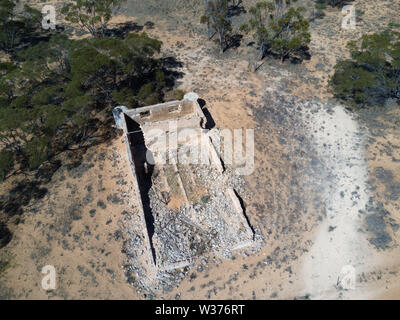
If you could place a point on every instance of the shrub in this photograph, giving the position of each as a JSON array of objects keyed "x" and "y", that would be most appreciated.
[
  {"x": 145, "y": 91},
  {"x": 320, "y": 4},
  {"x": 178, "y": 94},
  {"x": 6, "y": 163},
  {"x": 37, "y": 151},
  {"x": 372, "y": 75}
]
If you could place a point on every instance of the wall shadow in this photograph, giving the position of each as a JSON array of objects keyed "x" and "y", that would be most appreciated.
[
  {"x": 244, "y": 210},
  {"x": 210, "y": 121},
  {"x": 144, "y": 171}
]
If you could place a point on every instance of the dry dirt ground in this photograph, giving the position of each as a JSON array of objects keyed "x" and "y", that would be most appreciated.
[{"x": 325, "y": 192}]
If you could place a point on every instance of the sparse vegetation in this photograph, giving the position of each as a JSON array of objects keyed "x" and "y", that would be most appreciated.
[
  {"x": 205, "y": 199},
  {"x": 91, "y": 16},
  {"x": 4, "y": 265},
  {"x": 278, "y": 29},
  {"x": 321, "y": 5}
]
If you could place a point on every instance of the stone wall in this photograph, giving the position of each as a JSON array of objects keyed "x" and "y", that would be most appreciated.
[{"x": 234, "y": 230}]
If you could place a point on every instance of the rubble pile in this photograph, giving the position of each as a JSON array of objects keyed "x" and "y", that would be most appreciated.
[{"x": 206, "y": 223}]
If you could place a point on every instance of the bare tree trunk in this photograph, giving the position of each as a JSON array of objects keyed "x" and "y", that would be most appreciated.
[
  {"x": 222, "y": 40},
  {"x": 259, "y": 57}
]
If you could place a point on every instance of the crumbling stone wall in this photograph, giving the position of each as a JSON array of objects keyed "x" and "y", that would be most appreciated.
[{"x": 195, "y": 208}]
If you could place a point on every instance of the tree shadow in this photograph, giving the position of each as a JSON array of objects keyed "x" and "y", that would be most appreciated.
[
  {"x": 122, "y": 30},
  {"x": 233, "y": 41},
  {"x": 344, "y": 3},
  {"x": 34, "y": 36},
  {"x": 149, "y": 24},
  {"x": 169, "y": 66},
  {"x": 5, "y": 235},
  {"x": 33, "y": 39},
  {"x": 236, "y": 9},
  {"x": 20, "y": 196},
  {"x": 302, "y": 54},
  {"x": 316, "y": 15},
  {"x": 144, "y": 171}
]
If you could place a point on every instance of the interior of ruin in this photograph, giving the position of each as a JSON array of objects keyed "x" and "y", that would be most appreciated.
[{"x": 189, "y": 208}]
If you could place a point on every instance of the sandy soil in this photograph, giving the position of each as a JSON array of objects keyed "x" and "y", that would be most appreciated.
[
  {"x": 325, "y": 190},
  {"x": 75, "y": 229}
]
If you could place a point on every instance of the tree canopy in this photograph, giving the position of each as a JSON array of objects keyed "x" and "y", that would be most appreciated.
[
  {"x": 278, "y": 29},
  {"x": 51, "y": 92},
  {"x": 217, "y": 20},
  {"x": 92, "y": 16},
  {"x": 372, "y": 75},
  {"x": 15, "y": 26}
]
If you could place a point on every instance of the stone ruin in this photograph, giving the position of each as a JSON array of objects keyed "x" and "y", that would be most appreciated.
[{"x": 189, "y": 208}]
